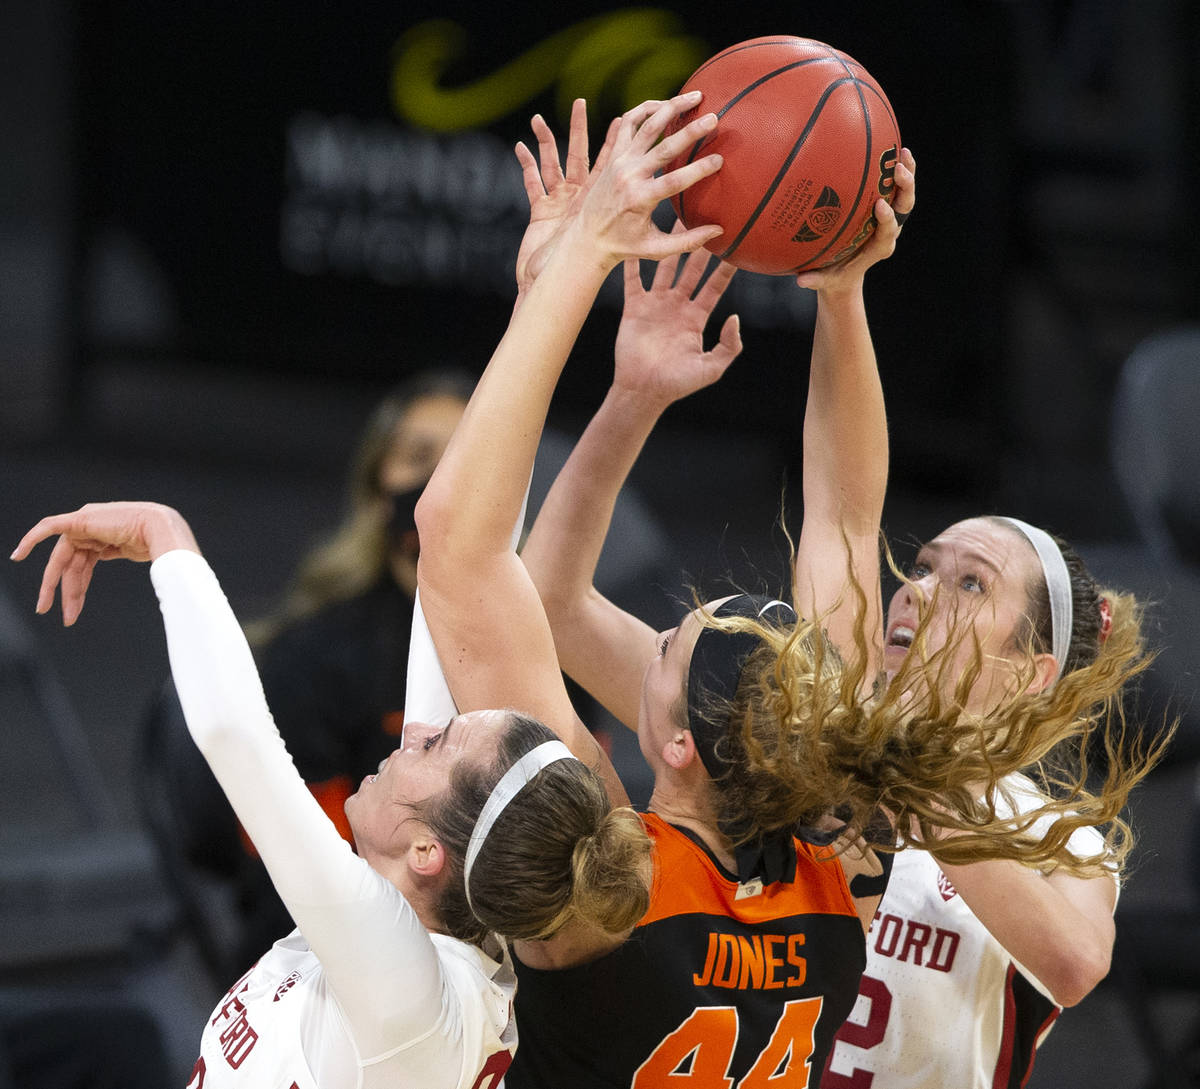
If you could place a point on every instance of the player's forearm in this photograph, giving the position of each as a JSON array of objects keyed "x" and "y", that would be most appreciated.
[
  {"x": 599, "y": 645},
  {"x": 228, "y": 718},
  {"x": 845, "y": 474},
  {"x": 469, "y": 506},
  {"x": 1059, "y": 928},
  {"x": 845, "y": 424}
]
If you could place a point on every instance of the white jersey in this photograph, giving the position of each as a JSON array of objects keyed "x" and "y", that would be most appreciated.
[
  {"x": 942, "y": 1004},
  {"x": 360, "y": 995}
]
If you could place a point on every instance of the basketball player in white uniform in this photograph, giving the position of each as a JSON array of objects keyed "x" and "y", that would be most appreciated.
[
  {"x": 942, "y": 1002},
  {"x": 363, "y": 993}
]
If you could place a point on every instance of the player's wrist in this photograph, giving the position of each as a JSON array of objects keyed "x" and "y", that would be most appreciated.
[{"x": 166, "y": 530}]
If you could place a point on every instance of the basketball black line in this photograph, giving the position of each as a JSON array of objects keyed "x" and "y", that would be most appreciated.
[
  {"x": 882, "y": 98},
  {"x": 862, "y": 183},
  {"x": 877, "y": 91},
  {"x": 779, "y": 176},
  {"x": 733, "y": 50},
  {"x": 691, "y": 155}
]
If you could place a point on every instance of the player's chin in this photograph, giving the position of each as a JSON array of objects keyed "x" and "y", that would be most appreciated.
[{"x": 893, "y": 658}]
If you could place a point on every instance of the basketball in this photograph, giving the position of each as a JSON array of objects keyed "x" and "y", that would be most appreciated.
[{"x": 809, "y": 142}]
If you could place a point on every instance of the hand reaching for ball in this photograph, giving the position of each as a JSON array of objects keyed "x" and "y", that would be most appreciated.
[
  {"x": 882, "y": 241},
  {"x": 632, "y": 173}
]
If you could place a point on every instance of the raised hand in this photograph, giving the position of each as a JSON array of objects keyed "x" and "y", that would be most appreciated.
[
  {"x": 616, "y": 209},
  {"x": 618, "y": 215},
  {"x": 882, "y": 241},
  {"x": 660, "y": 352},
  {"x": 551, "y": 192},
  {"x": 100, "y": 531}
]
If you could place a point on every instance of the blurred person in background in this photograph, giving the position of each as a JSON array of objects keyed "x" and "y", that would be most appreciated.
[{"x": 333, "y": 654}]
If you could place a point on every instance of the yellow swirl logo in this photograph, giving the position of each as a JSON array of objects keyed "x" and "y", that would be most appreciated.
[{"x": 615, "y": 61}]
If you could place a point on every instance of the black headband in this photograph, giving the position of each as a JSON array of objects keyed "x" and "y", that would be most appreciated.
[{"x": 714, "y": 674}]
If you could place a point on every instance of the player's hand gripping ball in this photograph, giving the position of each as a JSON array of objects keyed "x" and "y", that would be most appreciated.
[{"x": 810, "y": 142}]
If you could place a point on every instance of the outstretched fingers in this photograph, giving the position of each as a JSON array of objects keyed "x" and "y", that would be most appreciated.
[
  {"x": 46, "y": 527},
  {"x": 631, "y": 269},
  {"x": 714, "y": 287},
  {"x": 551, "y": 170},
  {"x": 577, "y": 144},
  {"x": 56, "y": 565},
  {"x": 630, "y": 187},
  {"x": 530, "y": 176},
  {"x": 76, "y": 578},
  {"x": 543, "y": 173}
]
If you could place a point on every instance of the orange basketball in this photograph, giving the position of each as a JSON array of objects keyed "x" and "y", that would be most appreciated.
[{"x": 810, "y": 142}]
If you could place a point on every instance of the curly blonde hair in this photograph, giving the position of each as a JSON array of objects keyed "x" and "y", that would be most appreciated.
[{"x": 804, "y": 740}]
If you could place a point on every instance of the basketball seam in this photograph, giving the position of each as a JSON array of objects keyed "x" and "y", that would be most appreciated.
[
  {"x": 862, "y": 184},
  {"x": 691, "y": 155},
  {"x": 882, "y": 100},
  {"x": 735, "y": 49},
  {"x": 779, "y": 176}
]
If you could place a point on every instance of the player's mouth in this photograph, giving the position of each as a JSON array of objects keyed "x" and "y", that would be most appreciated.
[
  {"x": 378, "y": 772},
  {"x": 900, "y": 638}
]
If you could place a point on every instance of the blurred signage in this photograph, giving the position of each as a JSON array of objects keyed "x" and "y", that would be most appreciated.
[
  {"x": 332, "y": 188},
  {"x": 433, "y": 196}
]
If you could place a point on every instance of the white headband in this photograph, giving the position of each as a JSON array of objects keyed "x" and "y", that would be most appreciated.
[
  {"x": 1058, "y": 587},
  {"x": 510, "y": 785}
]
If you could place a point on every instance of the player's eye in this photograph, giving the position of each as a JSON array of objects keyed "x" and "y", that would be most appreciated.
[{"x": 432, "y": 740}]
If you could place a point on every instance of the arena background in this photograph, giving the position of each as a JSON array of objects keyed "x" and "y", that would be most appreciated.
[{"x": 226, "y": 229}]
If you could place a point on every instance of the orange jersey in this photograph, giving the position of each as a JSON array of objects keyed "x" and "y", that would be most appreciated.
[{"x": 718, "y": 987}]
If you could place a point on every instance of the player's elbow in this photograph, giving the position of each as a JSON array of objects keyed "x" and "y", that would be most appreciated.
[
  {"x": 1080, "y": 970},
  {"x": 435, "y": 520},
  {"x": 432, "y": 509}
]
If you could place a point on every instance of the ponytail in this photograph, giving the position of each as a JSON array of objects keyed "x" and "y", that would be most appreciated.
[{"x": 556, "y": 851}]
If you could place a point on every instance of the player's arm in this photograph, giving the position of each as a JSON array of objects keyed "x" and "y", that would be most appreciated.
[
  {"x": 1057, "y": 927},
  {"x": 347, "y": 912},
  {"x": 845, "y": 440},
  {"x": 660, "y": 358},
  {"x": 483, "y": 609}
]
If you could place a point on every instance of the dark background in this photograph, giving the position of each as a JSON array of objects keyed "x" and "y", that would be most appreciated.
[{"x": 220, "y": 242}]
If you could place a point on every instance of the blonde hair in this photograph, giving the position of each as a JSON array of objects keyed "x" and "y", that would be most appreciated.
[
  {"x": 354, "y": 557},
  {"x": 804, "y": 741}
]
